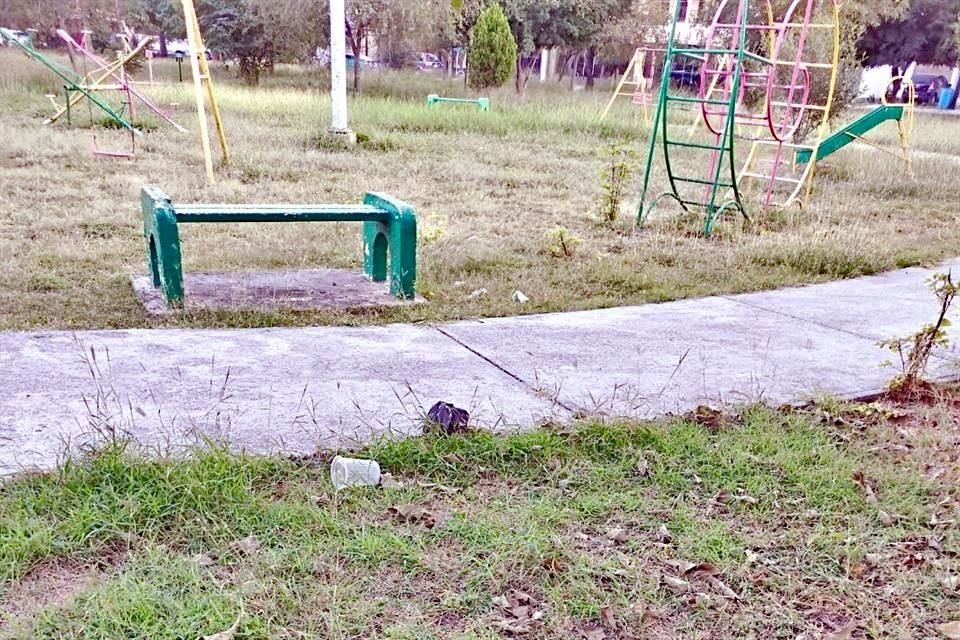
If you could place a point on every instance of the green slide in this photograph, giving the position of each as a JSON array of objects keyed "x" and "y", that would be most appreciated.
[{"x": 841, "y": 138}]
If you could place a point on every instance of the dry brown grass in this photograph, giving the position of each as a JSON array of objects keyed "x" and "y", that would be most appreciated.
[{"x": 492, "y": 187}]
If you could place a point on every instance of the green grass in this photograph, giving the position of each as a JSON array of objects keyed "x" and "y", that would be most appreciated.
[
  {"x": 120, "y": 536},
  {"x": 70, "y": 229}
]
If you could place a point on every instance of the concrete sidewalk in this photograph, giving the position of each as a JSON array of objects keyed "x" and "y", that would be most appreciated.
[{"x": 297, "y": 389}]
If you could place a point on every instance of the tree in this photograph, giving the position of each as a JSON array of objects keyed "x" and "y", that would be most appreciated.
[
  {"x": 925, "y": 33},
  {"x": 236, "y": 28},
  {"x": 493, "y": 51},
  {"x": 163, "y": 16},
  {"x": 543, "y": 24}
]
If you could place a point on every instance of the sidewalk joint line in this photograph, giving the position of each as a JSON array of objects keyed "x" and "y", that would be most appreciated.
[{"x": 504, "y": 370}]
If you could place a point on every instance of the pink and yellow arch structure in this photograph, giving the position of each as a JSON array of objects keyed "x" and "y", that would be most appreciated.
[{"x": 767, "y": 86}]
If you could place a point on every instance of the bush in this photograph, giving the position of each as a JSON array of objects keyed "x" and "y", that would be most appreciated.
[{"x": 493, "y": 51}]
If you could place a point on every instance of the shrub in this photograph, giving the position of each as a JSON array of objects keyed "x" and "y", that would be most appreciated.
[{"x": 493, "y": 51}]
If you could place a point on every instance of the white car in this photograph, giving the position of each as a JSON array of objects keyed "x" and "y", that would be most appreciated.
[{"x": 22, "y": 37}]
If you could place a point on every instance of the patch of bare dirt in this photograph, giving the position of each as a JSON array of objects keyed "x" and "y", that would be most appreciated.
[{"x": 54, "y": 582}]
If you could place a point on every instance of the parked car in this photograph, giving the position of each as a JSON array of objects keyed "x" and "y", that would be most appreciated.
[
  {"x": 685, "y": 75},
  {"x": 322, "y": 57},
  {"x": 181, "y": 49},
  {"x": 424, "y": 61},
  {"x": 365, "y": 61},
  {"x": 928, "y": 86},
  {"x": 21, "y": 36}
]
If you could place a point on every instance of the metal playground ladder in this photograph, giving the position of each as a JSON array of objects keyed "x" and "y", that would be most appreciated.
[{"x": 755, "y": 86}]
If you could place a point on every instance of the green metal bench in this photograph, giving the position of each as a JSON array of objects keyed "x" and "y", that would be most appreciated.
[
  {"x": 433, "y": 100},
  {"x": 389, "y": 227}
]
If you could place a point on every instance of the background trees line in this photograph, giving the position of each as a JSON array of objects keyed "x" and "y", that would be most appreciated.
[{"x": 259, "y": 33}]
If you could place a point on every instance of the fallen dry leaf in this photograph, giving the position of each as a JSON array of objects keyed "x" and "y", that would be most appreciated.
[
  {"x": 843, "y": 633},
  {"x": 950, "y": 583},
  {"x": 752, "y": 557},
  {"x": 866, "y": 486},
  {"x": 722, "y": 588},
  {"x": 617, "y": 535},
  {"x": 664, "y": 535},
  {"x": 693, "y": 569},
  {"x": 247, "y": 546},
  {"x": 227, "y": 634},
  {"x": 521, "y": 612},
  {"x": 642, "y": 468},
  {"x": 203, "y": 560},
  {"x": 886, "y": 519},
  {"x": 594, "y": 634},
  {"x": 607, "y": 618},
  {"x": 514, "y": 627},
  {"x": 676, "y": 585},
  {"x": 554, "y": 564},
  {"x": 387, "y": 481},
  {"x": 950, "y": 630},
  {"x": 415, "y": 514}
]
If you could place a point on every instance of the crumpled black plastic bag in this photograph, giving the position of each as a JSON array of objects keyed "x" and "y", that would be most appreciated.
[{"x": 446, "y": 418}]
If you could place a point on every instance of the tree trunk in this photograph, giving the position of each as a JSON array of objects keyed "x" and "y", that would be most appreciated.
[
  {"x": 573, "y": 71},
  {"x": 563, "y": 67},
  {"x": 355, "y": 47},
  {"x": 163, "y": 45},
  {"x": 518, "y": 73},
  {"x": 589, "y": 66}
]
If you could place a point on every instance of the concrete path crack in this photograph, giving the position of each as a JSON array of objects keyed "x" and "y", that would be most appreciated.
[{"x": 532, "y": 388}]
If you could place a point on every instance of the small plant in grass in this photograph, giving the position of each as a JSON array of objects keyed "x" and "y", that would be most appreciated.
[
  {"x": 914, "y": 351},
  {"x": 433, "y": 229},
  {"x": 619, "y": 164},
  {"x": 562, "y": 243}
]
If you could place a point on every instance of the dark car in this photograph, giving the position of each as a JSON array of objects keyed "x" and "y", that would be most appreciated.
[
  {"x": 685, "y": 75},
  {"x": 927, "y": 85}
]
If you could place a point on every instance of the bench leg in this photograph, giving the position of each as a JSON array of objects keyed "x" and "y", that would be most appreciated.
[
  {"x": 375, "y": 241},
  {"x": 403, "y": 256},
  {"x": 401, "y": 236},
  {"x": 163, "y": 245}
]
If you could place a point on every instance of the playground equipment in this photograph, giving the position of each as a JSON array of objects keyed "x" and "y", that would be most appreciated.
[
  {"x": 91, "y": 85},
  {"x": 635, "y": 83},
  {"x": 483, "y": 103},
  {"x": 95, "y": 81},
  {"x": 389, "y": 228},
  {"x": 77, "y": 87},
  {"x": 638, "y": 83},
  {"x": 757, "y": 85},
  {"x": 203, "y": 84},
  {"x": 903, "y": 114}
]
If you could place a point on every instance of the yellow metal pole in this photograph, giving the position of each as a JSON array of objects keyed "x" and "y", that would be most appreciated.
[
  {"x": 190, "y": 18},
  {"x": 211, "y": 94}
]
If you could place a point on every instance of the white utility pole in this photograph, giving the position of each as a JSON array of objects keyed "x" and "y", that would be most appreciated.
[{"x": 338, "y": 70}]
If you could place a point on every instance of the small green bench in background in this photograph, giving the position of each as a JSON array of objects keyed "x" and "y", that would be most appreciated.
[
  {"x": 484, "y": 103},
  {"x": 389, "y": 227}
]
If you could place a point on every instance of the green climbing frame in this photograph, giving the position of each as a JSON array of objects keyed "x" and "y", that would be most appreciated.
[{"x": 717, "y": 192}]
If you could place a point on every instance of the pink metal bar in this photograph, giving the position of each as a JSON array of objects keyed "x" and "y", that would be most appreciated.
[{"x": 118, "y": 76}]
